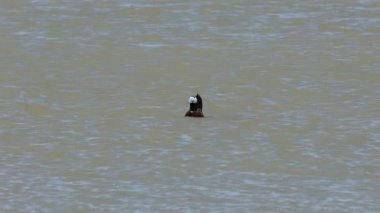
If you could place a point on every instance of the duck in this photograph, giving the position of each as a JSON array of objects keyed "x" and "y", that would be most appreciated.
[{"x": 196, "y": 106}]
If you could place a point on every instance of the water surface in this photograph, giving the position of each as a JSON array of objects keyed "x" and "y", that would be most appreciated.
[{"x": 93, "y": 95}]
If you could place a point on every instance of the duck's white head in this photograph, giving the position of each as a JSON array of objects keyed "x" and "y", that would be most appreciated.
[{"x": 192, "y": 100}]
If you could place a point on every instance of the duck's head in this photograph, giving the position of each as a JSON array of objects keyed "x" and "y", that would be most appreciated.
[{"x": 193, "y": 103}]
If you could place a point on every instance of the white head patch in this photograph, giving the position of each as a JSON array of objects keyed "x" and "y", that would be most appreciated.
[{"x": 192, "y": 100}]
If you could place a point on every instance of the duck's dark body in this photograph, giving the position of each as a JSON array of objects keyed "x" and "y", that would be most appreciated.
[{"x": 195, "y": 109}]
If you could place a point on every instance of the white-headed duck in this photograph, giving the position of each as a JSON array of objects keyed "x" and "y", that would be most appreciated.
[{"x": 196, "y": 105}]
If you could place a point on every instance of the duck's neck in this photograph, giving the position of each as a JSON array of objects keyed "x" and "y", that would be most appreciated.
[{"x": 193, "y": 107}]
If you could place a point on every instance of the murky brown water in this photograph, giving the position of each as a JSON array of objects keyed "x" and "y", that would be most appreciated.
[{"x": 93, "y": 93}]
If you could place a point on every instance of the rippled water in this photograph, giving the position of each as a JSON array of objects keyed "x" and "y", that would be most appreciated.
[{"x": 93, "y": 93}]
